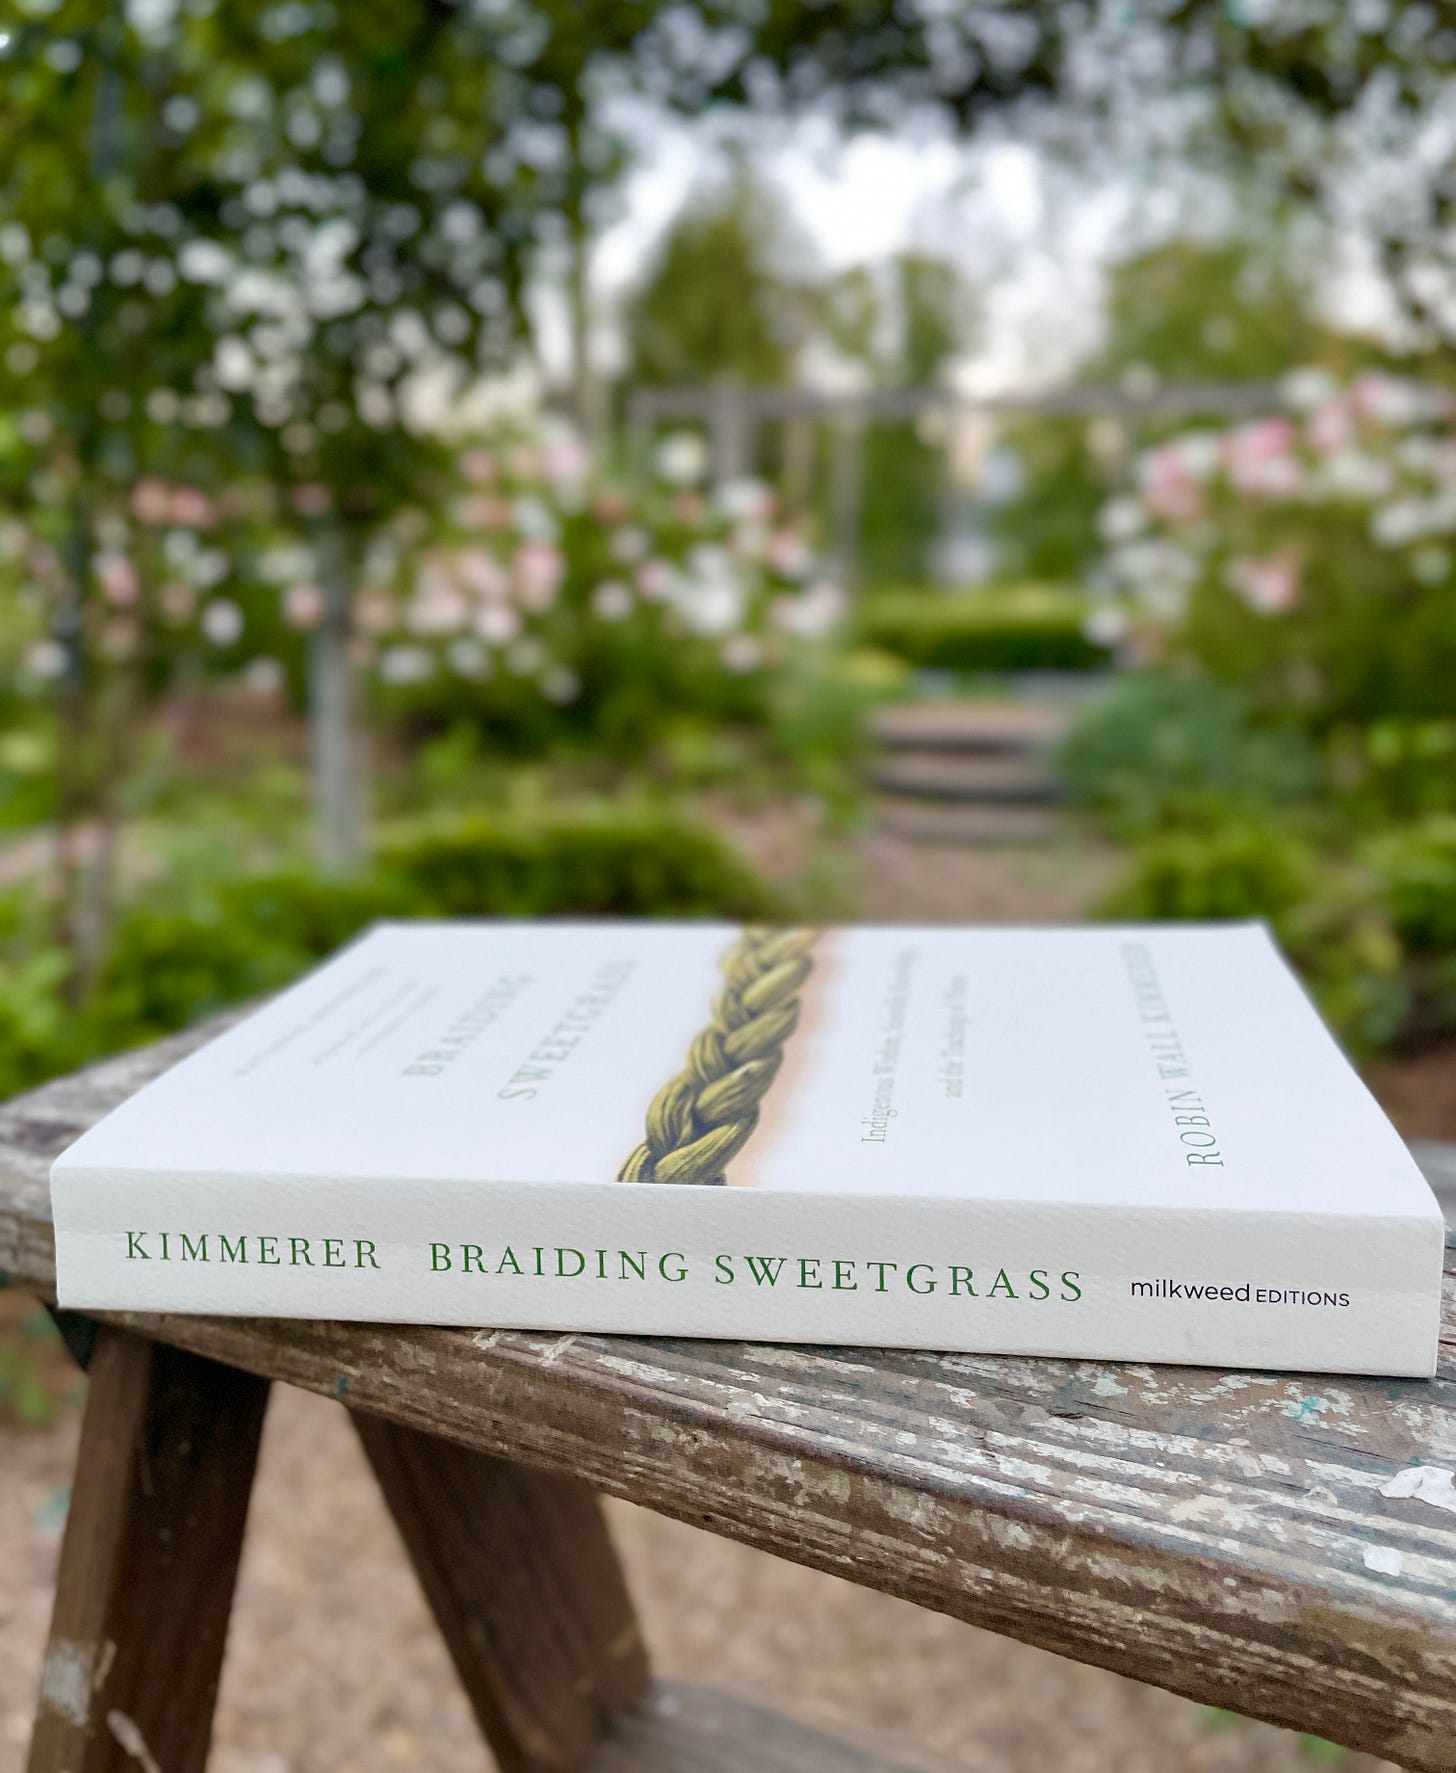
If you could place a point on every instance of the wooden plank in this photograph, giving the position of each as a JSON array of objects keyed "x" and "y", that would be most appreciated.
[
  {"x": 656, "y": 405},
  {"x": 525, "y": 1586},
  {"x": 1224, "y": 1535},
  {"x": 149, "y": 1561},
  {"x": 690, "y": 1729}
]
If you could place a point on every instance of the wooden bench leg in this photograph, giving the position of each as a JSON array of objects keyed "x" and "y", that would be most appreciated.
[
  {"x": 525, "y": 1585},
  {"x": 148, "y": 1562}
]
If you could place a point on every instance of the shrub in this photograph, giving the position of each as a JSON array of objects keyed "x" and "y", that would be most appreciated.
[
  {"x": 1023, "y": 628},
  {"x": 635, "y": 864},
  {"x": 1327, "y": 918},
  {"x": 1416, "y": 869},
  {"x": 1240, "y": 869},
  {"x": 173, "y": 964},
  {"x": 550, "y": 605},
  {"x": 1306, "y": 557},
  {"x": 1155, "y": 749}
]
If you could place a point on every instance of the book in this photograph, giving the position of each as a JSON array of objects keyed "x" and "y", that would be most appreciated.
[{"x": 1102, "y": 1142}]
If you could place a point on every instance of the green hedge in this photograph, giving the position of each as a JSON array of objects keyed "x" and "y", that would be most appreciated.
[
  {"x": 173, "y": 961},
  {"x": 1025, "y": 628}
]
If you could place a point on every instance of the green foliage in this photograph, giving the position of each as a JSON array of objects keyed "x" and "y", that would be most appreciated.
[
  {"x": 174, "y": 960},
  {"x": 1154, "y": 750},
  {"x": 1395, "y": 769},
  {"x": 1241, "y": 868},
  {"x": 1047, "y": 529},
  {"x": 1194, "y": 312},
  {"x": 1017, "y": 628},
  {"x": 1336, "y": 935},
  {"x": 711, "y": 308},
  {"x": 616, "y": 862},
  {"x": 1416, "y": 869}
]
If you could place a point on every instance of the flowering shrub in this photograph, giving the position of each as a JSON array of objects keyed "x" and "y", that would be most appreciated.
[
  {"x": 540, "y": 599},
  {"x": 1308, "y": 557},
  {"x": 548, "y": 600}
]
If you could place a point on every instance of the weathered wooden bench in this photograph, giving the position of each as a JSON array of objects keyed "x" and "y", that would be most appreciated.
[{"x": 1259, "y": 1542}]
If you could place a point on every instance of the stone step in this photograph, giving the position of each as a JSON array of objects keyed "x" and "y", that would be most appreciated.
[
  {"x": 981, "y": 778},
  {"x": 973, "y": 726},
  {"x": 970, "y": 826}
]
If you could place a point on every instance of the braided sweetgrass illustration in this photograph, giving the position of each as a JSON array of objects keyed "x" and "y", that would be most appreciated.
[{"x": 705, "y": 1115}]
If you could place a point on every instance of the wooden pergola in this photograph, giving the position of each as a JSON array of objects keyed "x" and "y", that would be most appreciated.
[{"x": 735, "y": 416}]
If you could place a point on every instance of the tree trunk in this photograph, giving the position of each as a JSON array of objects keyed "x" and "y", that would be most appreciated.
[{"x": 339, "y": 776}]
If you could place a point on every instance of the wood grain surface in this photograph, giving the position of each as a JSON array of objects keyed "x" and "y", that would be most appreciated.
[
  {"x": 149, "y": 1561},
  {"x": 1224, "y": 1535},
  {"x": 525, "y": 1585}
]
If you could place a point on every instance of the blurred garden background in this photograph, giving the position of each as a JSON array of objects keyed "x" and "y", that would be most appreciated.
[{"x": 731, "y": 457}]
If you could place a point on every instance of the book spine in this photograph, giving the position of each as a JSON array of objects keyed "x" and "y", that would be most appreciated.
[{"x": 1270, "y": 1290}]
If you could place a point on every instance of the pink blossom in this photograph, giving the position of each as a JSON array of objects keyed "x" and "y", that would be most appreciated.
[
  {"x": 312, "y": 500},
  {"x": 478, "y": 466},
  {"x": 479, "y": 571},
  {"x": 1269, "y": 586},
  {"x": 1261, "y": 439},
  {"x": 690, "y": 508},
  {"x": 190, "y": 509},
  {"x": 741, "y": 653},
  {"x": 1331, "y": 426},
  {"x": 810, "y": 614},
  {"x": 1383, "y": 398},
  {"x": 485, "y": 511},
  {"x": 118, "y": 579},
  {"x": 303, "y": 606},
  {"x": 538, "y": 570},
  {"x": 151, "y": 501},
  {"x": 654, "y": 579},
  {"x": 789, "y": 554},
  {"x": 439, "y": 608},
  {"x": 497, "y": 623},
  {"x": 612, "y": 506},
  {"x": 566, "y": 458},
  {"x": 1268, "y": 476},
  {"x": 1169, "y": 491},
  {"x": 524, "y": 462}
]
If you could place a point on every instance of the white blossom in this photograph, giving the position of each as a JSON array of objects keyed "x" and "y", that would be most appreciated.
[
  {"x": 222, "y": 622},
  {"x": 682, "y": 459}
]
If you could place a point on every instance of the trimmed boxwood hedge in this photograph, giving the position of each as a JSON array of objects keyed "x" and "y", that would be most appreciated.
[
  {"x": 174, "y": 962},
  {"x": 1027, "y": 628}
]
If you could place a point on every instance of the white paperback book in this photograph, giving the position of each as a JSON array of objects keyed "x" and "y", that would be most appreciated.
[{"x": 1107, "y": 1142}]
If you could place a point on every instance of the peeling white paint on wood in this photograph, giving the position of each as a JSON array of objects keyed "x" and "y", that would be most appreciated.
[
  {"x": 65, "y": 1680},
  {"x": 1425, "y": 1483},
  {"x": 129, "y": 1740},
  {"x": 1383, "y": 1558}
]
